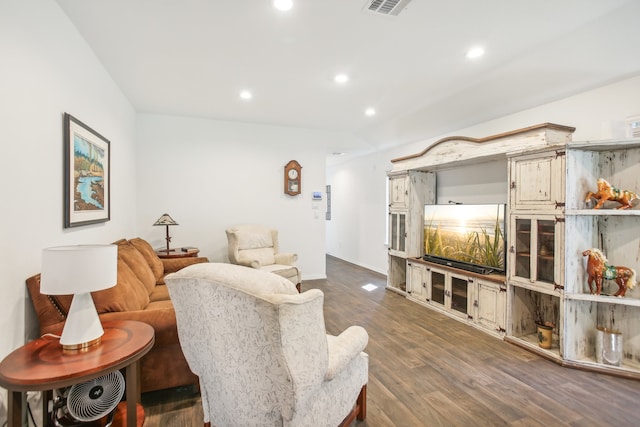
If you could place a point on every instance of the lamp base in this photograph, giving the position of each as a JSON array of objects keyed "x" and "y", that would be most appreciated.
[
  {"x": 84, "y": 346},
  {"x": 82, "y": 329}
]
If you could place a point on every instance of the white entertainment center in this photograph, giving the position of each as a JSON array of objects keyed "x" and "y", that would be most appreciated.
[{"x": 548, "y": 226}]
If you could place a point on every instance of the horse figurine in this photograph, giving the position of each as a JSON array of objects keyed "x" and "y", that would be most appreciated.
[
  {"x": 608, "y": 192},
  {"x": 598, "y": 269}
]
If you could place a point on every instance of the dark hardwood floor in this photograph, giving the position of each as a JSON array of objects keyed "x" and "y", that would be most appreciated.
[{"x": 426, "y": 369}]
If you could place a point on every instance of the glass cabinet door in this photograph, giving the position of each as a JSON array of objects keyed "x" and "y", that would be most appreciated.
[
  {"x": 437, "y": 287},
  {"x": 459, "y": 294},
  {"x": 394, "y": 232},
  {"x": 523, "y": 248},
  {"x": 534, "y": 249},
  {"x": 401, "y": 232},
  {"x": 545, "y": 251},
  {"x": 398, "y": 232}
]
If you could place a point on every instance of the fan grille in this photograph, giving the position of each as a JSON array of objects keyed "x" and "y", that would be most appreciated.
[{"x": 94, "y": 399}]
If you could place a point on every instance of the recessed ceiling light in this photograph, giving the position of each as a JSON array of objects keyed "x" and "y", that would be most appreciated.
[
  {"x": 475, "y": 52},
  {"x": 283, "y": 4},
  {"x": 370, "y": 112},
  {"x": 341, "y": 78},
  {"x": 246, "y": 95}
]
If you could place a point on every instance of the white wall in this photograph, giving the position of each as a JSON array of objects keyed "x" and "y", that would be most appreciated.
[
  {"x": 47, "y": 69},
  {"x": 210, "y": 175},
  {"x": 355, "y": 231}
]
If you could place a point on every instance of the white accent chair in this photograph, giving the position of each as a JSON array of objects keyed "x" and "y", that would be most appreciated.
[
  {"x": 261, "y": 351},
  {"x": 256, "y": 246}
]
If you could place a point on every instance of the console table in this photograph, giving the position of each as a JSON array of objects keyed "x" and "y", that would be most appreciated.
[{"x": 42, "y": 365}]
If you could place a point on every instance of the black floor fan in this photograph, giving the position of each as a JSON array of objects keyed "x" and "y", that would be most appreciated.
[{"x": 88, "y": 402}]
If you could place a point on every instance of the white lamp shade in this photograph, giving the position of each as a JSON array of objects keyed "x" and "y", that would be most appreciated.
[{"x": 78, "y": 269}]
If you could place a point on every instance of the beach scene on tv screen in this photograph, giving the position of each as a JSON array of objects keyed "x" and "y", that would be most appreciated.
[{"x": 467, "y": 233}]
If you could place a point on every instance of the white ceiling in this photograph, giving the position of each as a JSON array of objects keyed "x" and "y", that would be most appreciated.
[{"x": 192, "y": 57}]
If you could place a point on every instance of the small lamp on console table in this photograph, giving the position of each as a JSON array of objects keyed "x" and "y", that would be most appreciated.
[
  {"x": 165, "y": 219},
  {"x": 79, "y": 270}
]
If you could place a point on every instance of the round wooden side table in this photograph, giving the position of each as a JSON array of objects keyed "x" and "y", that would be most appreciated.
[
  {"x": 42, "y": 365},
  {"x": 185, "y": 252}
]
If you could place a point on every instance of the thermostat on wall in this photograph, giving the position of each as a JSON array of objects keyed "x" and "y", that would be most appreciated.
[
  {"x": 633, "y": 127},
  {"x": 317, "y": 195}
]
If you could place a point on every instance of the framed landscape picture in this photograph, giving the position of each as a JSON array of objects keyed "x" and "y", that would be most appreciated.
[{"x": 86, "y": 182}]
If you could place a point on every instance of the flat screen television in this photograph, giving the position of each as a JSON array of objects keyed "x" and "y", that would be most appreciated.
[{"x": 466, "y": 236}]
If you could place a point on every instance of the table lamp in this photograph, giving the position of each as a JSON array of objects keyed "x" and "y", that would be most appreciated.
[
  {"x": 165, "y": 219},
  {"x": 79, "y": 270}
]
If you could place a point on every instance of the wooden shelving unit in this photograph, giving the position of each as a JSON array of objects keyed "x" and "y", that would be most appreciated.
[{"x": 549, "y": 227}]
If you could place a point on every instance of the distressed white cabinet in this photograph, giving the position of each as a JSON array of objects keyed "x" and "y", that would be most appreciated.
[
  {"x": 397, "y": 274},
  {"x": 537, "y": 180},
  {"x": 450, "y": 291},
  {"x": 417, "y": 281},
  {"x": 535, "y": 250},
  {"x": 535, "y": 240},
  {"x": 547, "y": 276},
  {"x": 398, "y": 232},
  {"x": 617, "y": 234},
  {"x": 409, "y": 191},
  {"x": 481, "y": 301},
  {"x": 490, "y": 305},
  {"x": 525, "y": 305},
  {"x": 399, "y": 191},
  {"x": 535, "y": 186}
]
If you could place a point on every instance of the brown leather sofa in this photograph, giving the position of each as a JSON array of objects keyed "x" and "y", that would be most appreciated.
[{"x": 140, "y": 294}]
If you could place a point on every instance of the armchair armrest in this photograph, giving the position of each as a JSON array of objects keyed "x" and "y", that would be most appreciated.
[
  {"x": 171, "y": 265},
  {"x": 286, "y": 258},
  {"x": 344, "y": 348}
]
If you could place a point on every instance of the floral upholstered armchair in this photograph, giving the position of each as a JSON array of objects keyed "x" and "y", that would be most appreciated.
[
  {"x": 261, "y": 351},
  {"x": 256, "y": 246}
]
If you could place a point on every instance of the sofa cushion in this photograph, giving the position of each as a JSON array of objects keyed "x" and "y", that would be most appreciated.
[
  {"x": 129, "y": 294},
  {"x": 160, "y": 293},
  {"x": 157, "y": 267},
  {"x": 138, "y": 264}
]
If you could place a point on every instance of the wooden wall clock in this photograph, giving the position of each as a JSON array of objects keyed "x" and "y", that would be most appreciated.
[{"x": 293, "y": 178}]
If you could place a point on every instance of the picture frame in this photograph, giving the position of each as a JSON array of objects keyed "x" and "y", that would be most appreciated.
[{"x": 87, "y": 176}]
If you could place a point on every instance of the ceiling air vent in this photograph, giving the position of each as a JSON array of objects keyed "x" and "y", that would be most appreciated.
[{"x": 387, "y": 7}]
